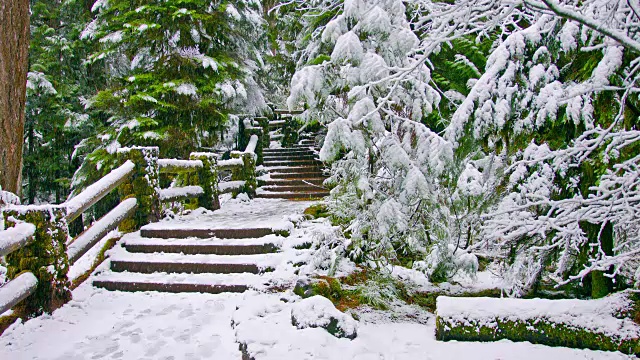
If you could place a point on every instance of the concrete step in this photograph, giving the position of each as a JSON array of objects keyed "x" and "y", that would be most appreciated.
[
  {"x": 295, "y": 169},
  {"x": 292, "y": 182},
  {"x": 287, "y": 151},
  {"x": 194, "y": 249},
  {"x": 205, "y": 283},
  {"x": 293, "y": 195},
  {"x": 300, "y": 175},
  {"x": 193, "y": 267},
  {"x": 293, "y": 188},
  {"x": 168, "y": 287},
  {"x": 304, "y": 162},
  {"x": 182, "y": 233},
  {"x": 281, "y": 157}
]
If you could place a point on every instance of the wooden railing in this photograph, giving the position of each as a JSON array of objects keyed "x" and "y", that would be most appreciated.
[{"x": 37, "y": 244}]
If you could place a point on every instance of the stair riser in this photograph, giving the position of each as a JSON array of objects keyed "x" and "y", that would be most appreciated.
[
  {"x": 289, "y": 157},
  {"x": 300, "y": 188},
  {"x": 297, "y": 170},
  {"x": 318, "y": 182},
  {"x": 203, "y": 249},
  {"x": 171, "y": 288},
  {"x": 205, "y": 233},
  {"x": 293, "y": 163},
  {"x": 291, "y": 196},
  {"x": 189, "y": 268},
  {"x": 296, "y": 175},
  {"x": 304, "y": 150}
]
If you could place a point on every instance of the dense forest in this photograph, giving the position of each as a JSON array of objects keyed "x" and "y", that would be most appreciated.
[{"x": 459, "y": 133}]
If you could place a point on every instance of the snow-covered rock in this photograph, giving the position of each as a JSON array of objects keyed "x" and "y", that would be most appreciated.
[{"x": 318, "y": 311}]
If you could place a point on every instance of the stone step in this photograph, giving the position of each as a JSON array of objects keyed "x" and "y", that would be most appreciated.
[
  {"x": 293, "y": 195},
  {"x": 280, "y": 157},
  {"x": 149, "y": 267},
  {"x": 292, "y": 182},
  {"x": 303, "y": 162},
  {"x": 182, "y": 233},
  {"x": 194, "y": 249},
  {"x": 293, "y": 188},
  {"x": 288, "y": 151},
  {"x": 300, "y": 175},
  {"x": 295, "y": 169},
  {"x": 205, "y": 283},
  {"x": 168, "y": 287}
]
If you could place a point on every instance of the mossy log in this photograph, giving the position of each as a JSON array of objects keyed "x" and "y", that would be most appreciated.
[{"x": 546, "y": 329}]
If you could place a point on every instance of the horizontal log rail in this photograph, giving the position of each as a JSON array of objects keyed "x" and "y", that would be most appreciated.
[
  {"x": 16, "y": 237},
  {"x": 16, "y": 290},
  {"x": 94, "y": 193},
  {"x": 180, "y": 193},
  {"x": 100, "y": 229},
  {"x": 172, "y": 166}
]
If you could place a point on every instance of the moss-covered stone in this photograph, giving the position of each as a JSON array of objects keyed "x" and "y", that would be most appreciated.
[
  {"x": 144, "y": 185},
  {"x": 247, "y": 172},
  {"x": 317, "y": 211},
  {"x": 290, "y": 131},
  {"x": 45, "y": 257},
  {"x": 536, "y": 331},
  {"x": 207, "y": 178}
]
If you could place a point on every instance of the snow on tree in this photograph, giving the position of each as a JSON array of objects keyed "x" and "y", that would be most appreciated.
[{"x": 176, "y": 68}]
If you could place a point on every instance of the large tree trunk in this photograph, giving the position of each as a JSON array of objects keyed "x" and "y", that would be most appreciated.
[{"x": 14, "y": 55}]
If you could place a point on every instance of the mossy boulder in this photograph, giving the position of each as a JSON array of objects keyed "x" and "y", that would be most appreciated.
[{"x": 319, "y": 312}]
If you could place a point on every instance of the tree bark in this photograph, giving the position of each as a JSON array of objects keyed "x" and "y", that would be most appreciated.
[{"x": 14, "y": 56}]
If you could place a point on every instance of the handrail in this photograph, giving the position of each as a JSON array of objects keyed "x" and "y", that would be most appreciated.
[
  {"x": 100, "y": 228},
  {"x": 178, "y": 193},
  {"x": 16, "y": 237},
  {"x": 95, "y": 192},
  {"x": 174, "y": 165},
  {"x": 251, "y": 147},
  {"x": 16, "y": 290},
  {"x": 287, "y": 111}
]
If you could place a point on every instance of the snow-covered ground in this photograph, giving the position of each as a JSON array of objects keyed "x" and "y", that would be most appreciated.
[{"x": 99, "y": 324}]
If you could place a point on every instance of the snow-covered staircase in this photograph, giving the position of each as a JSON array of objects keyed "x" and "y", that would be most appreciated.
[{"x": 293, "y": 173}]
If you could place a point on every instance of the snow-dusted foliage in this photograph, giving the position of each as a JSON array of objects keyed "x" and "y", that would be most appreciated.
[
  {"x": 501, "y": 128},
  {"x": 176, "y": 68}
]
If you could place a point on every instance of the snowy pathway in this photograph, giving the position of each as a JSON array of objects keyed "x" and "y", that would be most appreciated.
[{"x": 101, "y": 324}]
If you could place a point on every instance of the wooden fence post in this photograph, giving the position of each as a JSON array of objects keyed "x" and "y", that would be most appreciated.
[
  {"x": 144, "y": 185},
  {"x": 45, "y": 257},
  {"x": 247, "y": 172}
]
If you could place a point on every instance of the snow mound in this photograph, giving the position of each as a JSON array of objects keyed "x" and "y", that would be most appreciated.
[{"x": 318, "y": 311}]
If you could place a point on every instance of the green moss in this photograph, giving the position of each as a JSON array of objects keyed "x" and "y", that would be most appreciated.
[
  {"x": 536, "y": 331},
  {"x": 247, "y": 173},
  {"x": 142, "y": 185},
  {"x": 207, "y": 178},
  {"x": 45, "y": 257},
  {"x": 317, "y": 211}
]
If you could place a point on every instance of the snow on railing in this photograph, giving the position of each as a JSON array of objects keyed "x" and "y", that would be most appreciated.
[
  {"x": 229, "y": 186},
  {"x": 174, "y": 165},
  {"x": 100, "y": 228},
  {"x": 16, "y": 290},
  {"x": 16, "y": 237},
  {"x": 26, "y": 283},
  {"x": 251, "y": 147},
  {"x": 230, "y": 163},
  {"x": 180, "y": 193},
  {"x": 94, "y": 193}
]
